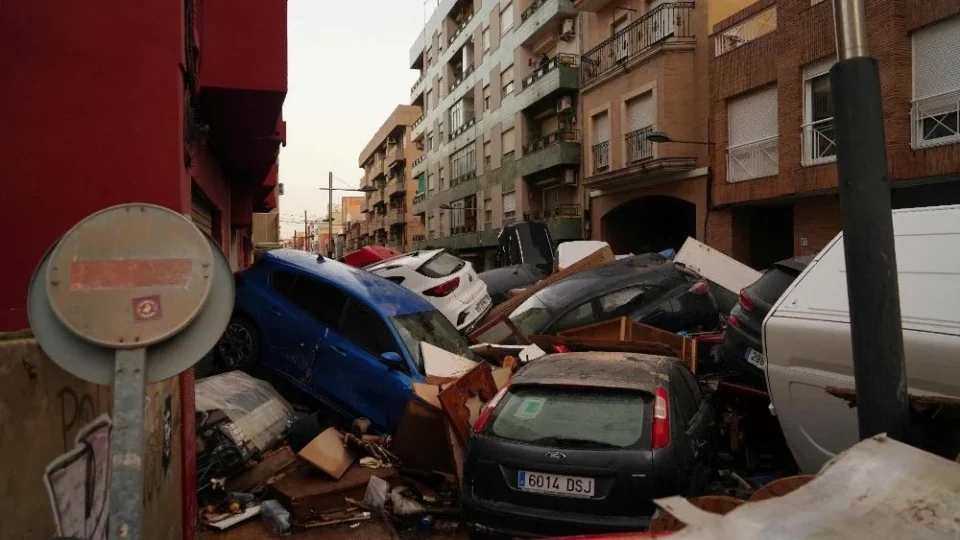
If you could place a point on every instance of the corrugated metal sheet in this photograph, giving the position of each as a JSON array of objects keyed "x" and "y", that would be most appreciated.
[
  {"x": 879, "y": 488},
  {"x": 266, "y": 228}
]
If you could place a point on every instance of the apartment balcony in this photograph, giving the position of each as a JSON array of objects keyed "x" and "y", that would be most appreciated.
[
  {"x": 819, "y": 142},
  {"x": 396, "y": 187},
  {"x": 379, "y": 199},
  {"x": 464, "y": 20},
  {"x": 463, "y": 229},
  {"x": 396, "y": 218},
  {"x": 486, "y": 238},
  {"x": 544, "y": 18},
  {"x": 564, "y": 221},
  {"x": 365, "y": 205},
  {"x": 738, "y": 35},
  {"x": 463, "y": 128},
  {"x": 935, "y": 120},
  {"x": 459, "y": 80},
  {"x": 395, "y": 154},
  {"x": 754, "y": 160},
  {"x": 378, "y": 225},
  {"x": 638, "y": 147},
  {"x": 376, "y": 172},
  {"x": 466, "y": 177},
  {"x": 557, "y": 149},
  {"x": 640, "y": 164},
  {"x": 590, "y": 5},
  {"x": 665, "y": 26},
  {"x": 559, "y": 76},
  {"x": 417, "y": 122}
]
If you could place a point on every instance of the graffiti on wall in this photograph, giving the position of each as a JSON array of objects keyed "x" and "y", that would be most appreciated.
[{"x": 77, "y": 483}]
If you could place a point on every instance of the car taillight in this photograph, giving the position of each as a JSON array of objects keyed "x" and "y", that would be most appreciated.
[
  {"x": 700, "y": 287},
  {"x": 444, "y": 288},
  {"x": 745, "y": 301},
  {"x": 561, "y": 348},
  {"x": 733, "y": 321},
  {"x": 486, "y": 412},
  {"x": 661, "y": 419}
]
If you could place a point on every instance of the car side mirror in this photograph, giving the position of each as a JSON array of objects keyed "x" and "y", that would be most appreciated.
[{"x": 392, "y": 360}]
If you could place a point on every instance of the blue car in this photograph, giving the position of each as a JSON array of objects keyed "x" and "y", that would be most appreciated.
[{"x": 345, "y": 336}]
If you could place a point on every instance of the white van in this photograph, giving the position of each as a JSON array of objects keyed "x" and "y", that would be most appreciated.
[{"x": 806, "y": 336}]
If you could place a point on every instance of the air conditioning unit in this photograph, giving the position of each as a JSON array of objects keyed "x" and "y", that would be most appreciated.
[
  {"x": 565, "y": 103},
  {"x": 567, "y": 30},
  {"x": 392, "y": 140},
  {"x": 569, "y": 177},
  {"x": 280, "y": 188}
]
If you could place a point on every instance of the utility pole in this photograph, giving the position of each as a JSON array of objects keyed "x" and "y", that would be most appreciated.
[
  {"x": 306, "y": 230},
  {"x": 330, "y": 214},
  {"x": 871, "y": 260}
]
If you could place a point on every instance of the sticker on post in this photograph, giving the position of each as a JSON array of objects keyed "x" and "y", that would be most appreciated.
[
  {"x": 147, "y": 308},
  {"x": 530, "y": 408}
]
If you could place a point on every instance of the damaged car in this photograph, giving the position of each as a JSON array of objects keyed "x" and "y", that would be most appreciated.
[
  {"x": 581, "y": 443},
  {"x": 347, "y": 337}
]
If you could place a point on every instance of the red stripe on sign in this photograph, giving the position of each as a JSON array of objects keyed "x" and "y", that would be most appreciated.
[{"x": 129, "y": 274}]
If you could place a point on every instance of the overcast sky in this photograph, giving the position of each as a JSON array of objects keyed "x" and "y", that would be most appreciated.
[{"x": 348, "y": 69}]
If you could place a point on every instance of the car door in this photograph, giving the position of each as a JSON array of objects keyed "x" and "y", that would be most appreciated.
[
  {"x": 377, "y": 391},
  {"x": 699, "y": 433},
  {"x": 289, "y": 332}
]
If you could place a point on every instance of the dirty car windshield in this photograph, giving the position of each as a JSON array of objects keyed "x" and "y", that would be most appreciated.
[
  {"x": 575, "y": 417},
  {"x": 532, "y": 316},
  {"x": 432, "y": 327}
]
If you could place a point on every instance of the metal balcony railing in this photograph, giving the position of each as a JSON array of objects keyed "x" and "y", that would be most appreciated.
[
  {"x": 663, "y": 22},
  {"x": 562, "y": 59},
  {"x": 638, "y": 147},
  {"x": 601, "y": 156},
  {"x": 463, "y": 229},
  {"x": 550, "y": 139},
  {"x": 465, "y": 177},
  {"x": 758, "y": 159},
  {"x": 464, "y": 21},
  {"x": 467, "y": 124},
  {"x": 819, "y": 142},
  {"x": 418, "y": 238},
  {"x": 419, "y": 197},
  {"x": 459, "y": 80},
  {"x": 936, "y": 120},
  {"x": 746, "y": 31},
  {"x": 417, "y": 122},
  {"x": 556, "y": 212}
]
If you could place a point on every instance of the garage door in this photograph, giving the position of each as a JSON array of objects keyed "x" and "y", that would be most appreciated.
[{"x": 202, "y": 215}]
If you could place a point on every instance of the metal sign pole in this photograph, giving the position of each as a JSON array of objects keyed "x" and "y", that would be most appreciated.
[
  {"x": 868, "y": 239},
  {"x": 126, "y": 445}
]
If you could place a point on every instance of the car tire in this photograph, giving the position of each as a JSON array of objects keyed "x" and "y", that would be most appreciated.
[{"x": 239, "y": 346}]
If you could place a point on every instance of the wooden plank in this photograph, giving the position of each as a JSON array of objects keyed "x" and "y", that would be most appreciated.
[
  {"x": 627, "y": 330},
  {"x": 463, "y": 399}
]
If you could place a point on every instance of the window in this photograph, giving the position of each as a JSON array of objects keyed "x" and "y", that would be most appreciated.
[
  {"x": 464, "y": 161},
  {"x": 486, "y": 39},
  {"x": 365, "y": 329},
  {"x": 753, "y": 135},
  {"x": 507, "y": 142},
  {"x": 456, "y": 116},
  {"x": 431, "y": 182},
  {"x": 581, "y": 315},
  {"x": 486, "y": 154},
  {"x": 621, "y": 303},
  {"x": 621, "y": 48},
  {"x": 323, "y": 302},
  {"x": 442, "y": 185},
  {"x": 601, "y": 142},
  {"x": 641, "y": 115},
  {"x": 506, "y": 18},
  {"x": 456, "y": 214},
  {"x": 486, "y": 97},
  {"x": 430, "y": 141},
  {"x": 431, "y": 327},
  {"x": 936, "y": 84},
  {"x": 506, "y": 79},
  {"x": 509, "y": 205},
  {"x": 582, "y": 419},
  {"x": 819, "y": 137},
  {"x": 430, "y": 103},
  {"x": 442, "y": 264}
]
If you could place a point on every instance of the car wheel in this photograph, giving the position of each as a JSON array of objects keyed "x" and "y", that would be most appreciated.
[{"x": 239, "y": 346}]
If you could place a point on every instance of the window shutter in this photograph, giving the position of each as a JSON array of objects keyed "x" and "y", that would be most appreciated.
[
  {"x": 601, "y": 128},
  {"x": 506, "y": 76},
  {"x": 509, "y": 202},
  {"x": 641, "y": 112},
  {"x": 936, "y": 59},
  {"x": 507, "y": 141},
  {"x": 753, "y": 117},
  {"x": 506, "y": 18},
  {"x": 202, "y": 216},
  {"x": 818, "y": 68}
]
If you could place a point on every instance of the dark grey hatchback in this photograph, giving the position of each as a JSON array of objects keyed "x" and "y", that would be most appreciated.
[{"x": 582, "y": 443}]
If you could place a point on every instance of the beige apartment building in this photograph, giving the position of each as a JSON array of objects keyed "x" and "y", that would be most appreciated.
[
  {"x": 644, "y": 77},
  {"x": 501, "y": 140},
  {"x": 385, "y": 213}
]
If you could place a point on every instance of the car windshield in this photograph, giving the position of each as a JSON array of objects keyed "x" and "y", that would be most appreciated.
[
  {"x": 432, "y": 327},
  {"x": 535, "y": 244},
  {"x": 532, "y": 316},
  {"x": 572, "y": 417}
]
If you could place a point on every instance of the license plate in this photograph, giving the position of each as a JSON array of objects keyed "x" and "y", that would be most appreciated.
[
  {"x": 482, "y": 305},
  {"x": 755, "y": 358},
  {"x": 555, "y": 484}
]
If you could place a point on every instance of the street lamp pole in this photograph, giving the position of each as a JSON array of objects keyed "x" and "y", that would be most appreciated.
[
  {"x": 330, "y": 214},
  {"x": 868, "y": 237}
]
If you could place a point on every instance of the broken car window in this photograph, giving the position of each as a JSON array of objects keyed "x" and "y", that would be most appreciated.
[
  {"x": 621, "y": 302},
  {"x": 532, "y": 316},
  {"x": 432, "y": 327}
]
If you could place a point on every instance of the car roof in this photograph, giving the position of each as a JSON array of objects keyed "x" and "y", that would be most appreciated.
[
  {"x": 610, "y": 276},
  {"x": 614, "y": 370},
  {"x": 413, "y": 258},
  {"x": 382, "y": 294}
]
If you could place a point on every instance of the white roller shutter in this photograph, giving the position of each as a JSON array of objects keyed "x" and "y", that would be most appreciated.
[
  {"x": 509, "y": 202},
  {"x": 506, "y": 18},
  {"x": 507, "y": 141},
  {"x": 601, "y": 128},
  {"x": 818, "y": 68},
  {"x": 640, "y": 112},
  {"x": 752, "y": 117},
  {"x": 936, "y": 59}
]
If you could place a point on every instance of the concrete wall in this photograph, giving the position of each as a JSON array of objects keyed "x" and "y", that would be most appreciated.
[{"x": 51, "y": 427}]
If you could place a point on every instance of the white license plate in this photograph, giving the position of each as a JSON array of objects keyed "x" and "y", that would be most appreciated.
[
  {"x": 755, "y": 358},
  {"x": 555, "y": 484},
  {"x": 482, "y": 305}
]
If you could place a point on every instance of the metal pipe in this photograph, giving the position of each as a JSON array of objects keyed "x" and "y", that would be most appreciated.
[
  {"x": 330, "y": 214},
  {"x": 868, "y": 236}
]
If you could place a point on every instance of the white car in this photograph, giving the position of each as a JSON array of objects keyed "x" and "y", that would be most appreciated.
[{"x": 446, "y": 281}]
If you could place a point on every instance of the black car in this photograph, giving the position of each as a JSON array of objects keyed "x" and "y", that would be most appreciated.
[
  {"x": 500, "y": 281},
  {"x": 647, "y": 288},
  {"x": 742, "y": 347},
  {"x": 582, "y": 443}
]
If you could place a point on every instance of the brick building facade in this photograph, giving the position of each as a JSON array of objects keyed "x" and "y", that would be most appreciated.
[{"x": 774, "y": 185}]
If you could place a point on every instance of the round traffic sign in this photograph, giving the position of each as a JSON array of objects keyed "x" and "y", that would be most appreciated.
[{"x": 130, "y": 276}]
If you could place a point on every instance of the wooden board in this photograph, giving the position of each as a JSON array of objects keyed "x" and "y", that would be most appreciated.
[
  {"x": 461, "y": 400},
  {"x": 626, "y": 329},
  {"x": 272, "y": 464},
  {"x": 309, "y": 493},
  {"x": 502, "y": 310},
  {"x": 328, "y": 453}
]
